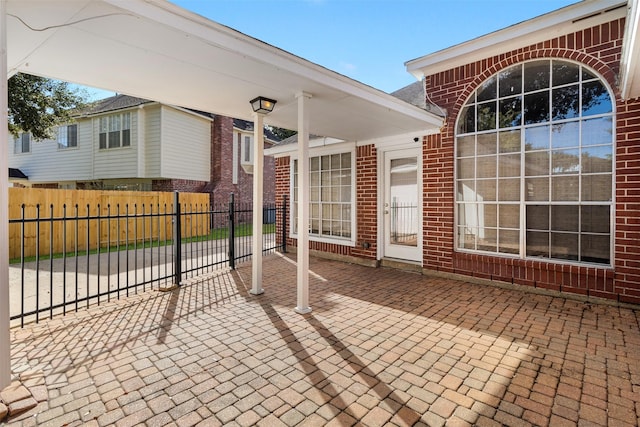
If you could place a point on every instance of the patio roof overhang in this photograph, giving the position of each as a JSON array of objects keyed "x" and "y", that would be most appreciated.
[
  {"x": 576, "y": 17},
  {"x": 157, "y": 50}
]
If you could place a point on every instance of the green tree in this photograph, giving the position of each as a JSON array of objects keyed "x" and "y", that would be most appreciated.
[
  {"x": 38, "y": 104},
  {"x": 282, "y": 133}
]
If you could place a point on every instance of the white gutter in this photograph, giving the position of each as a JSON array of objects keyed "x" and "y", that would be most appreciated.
[{"x": 629, "y": 62}]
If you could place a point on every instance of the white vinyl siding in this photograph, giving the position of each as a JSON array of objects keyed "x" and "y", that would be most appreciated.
[
  {"x": 121, "y": 162},
  {"x": 153, "y": 146},
  {"x": 186, "y": 145},
  {"x": 177, "y": 145},
  {"x": 48, "y": 163}
]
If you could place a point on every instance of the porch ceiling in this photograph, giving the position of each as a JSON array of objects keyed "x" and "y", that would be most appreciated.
[{"x": 159, "y": 51}]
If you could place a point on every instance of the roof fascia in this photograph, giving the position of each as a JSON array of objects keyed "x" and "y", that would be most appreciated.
[
  {"x": 191, "y": 24},
  {"x": 108, "y": 112},
  {"x": 285, "y": 150},
  {"x": 629, "y": 61},
  {"x": 580, "y": 16},
  {"x": 186, "y": 110}
]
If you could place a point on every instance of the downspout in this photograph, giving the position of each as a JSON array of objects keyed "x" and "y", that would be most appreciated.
[{"x": 5, "y": 342}]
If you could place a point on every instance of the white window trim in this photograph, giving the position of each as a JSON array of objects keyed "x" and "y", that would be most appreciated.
[
  {"x": 321, "y": 151},
  {"x": 234, "y": 157},
  {"x": 19, "y": 138},
  {"x": 62, "y": 147},
  {"x": 523, "y": 204},
  {"x": 243, "y": 149},
  {"x": 122, "y": 128}
]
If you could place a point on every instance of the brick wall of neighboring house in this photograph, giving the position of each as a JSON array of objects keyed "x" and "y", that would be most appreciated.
[
  {"x": 282, "y": 166},
  {"x": 366, "y": 205},
  {"x": 221, "y": 184},
  {"x": 222, "y": 168},
  {"x": 182, "y": 185},
  {"x": 599, "y": 48}
]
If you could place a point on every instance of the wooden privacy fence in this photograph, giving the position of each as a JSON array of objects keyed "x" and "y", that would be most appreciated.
[{"x": 57, "y": 221}]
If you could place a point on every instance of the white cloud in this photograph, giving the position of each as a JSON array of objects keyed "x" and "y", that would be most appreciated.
[{"x": 347, "y": 66}]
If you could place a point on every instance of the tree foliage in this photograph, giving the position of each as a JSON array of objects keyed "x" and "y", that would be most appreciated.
[
  {"x": 37, "y": 104},
  {"x": 282, "y": 133}
]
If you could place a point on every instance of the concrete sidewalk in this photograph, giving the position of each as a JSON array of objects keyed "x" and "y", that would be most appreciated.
[{"x": 381, "y": 347}]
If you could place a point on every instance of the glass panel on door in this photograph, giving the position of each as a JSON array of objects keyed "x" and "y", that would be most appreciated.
[{"x": 403, "y": 202}]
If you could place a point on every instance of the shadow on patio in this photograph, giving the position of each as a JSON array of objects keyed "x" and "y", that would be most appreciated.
[{"x": 380, "y": 347}]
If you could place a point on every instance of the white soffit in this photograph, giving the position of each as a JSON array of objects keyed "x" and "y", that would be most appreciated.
[
  {"x": 567, "y": 20},
  {"x": 156, "y": 50},
  {"x": 630, "y": 61}
]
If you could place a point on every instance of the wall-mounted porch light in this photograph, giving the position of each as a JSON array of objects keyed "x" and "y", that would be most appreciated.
[{"x": 262, "y": 105}]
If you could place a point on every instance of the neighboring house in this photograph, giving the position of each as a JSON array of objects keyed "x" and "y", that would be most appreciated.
[
  {"x": 532, "y": 180},
  {"x": 17, "y": 178},
  {"x": 128, "y": 143}
]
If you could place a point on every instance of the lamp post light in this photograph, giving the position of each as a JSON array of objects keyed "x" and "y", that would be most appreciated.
[{"x": 261, "y": 106}]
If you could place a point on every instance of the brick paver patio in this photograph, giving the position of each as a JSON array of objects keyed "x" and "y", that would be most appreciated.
[{"x": 381, "y": 347}]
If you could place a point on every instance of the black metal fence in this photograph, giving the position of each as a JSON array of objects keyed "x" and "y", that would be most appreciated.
[{"x": 129, "y": 249}]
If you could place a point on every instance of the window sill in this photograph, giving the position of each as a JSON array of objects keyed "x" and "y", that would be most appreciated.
[{"x": 329, "y": 240}]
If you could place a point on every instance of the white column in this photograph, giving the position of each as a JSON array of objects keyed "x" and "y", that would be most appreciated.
[
  {"x": 303, "y": 204},
  {"x": 258, "y": 169},
  {"x": 5, "y": 343}
]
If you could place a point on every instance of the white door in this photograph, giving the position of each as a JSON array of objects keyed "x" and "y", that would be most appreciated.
[{"x": 402, "y": 211}]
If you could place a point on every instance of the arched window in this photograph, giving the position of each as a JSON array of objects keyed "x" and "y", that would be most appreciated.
[{"x": 534, "y": 164}]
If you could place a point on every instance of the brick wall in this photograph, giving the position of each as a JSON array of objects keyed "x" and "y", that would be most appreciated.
[
  {"x": 221, "y": 184},
  {"x": 46, "y": 185},
  {"x": 182, "y": 185},
  {"x": 366, "y": 202},
  {"x": 222, "y": 170},
  {"x": 282, "y": 188},
  {"x": 599, "y": 48}
]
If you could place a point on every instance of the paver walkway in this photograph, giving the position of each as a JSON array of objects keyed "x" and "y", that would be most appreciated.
[{"x": 381, "y": 347}]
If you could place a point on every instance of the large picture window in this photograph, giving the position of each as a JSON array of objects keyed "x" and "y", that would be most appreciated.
[
  {"x": 534, "y": 164},
  {"x": 330, "y": 195},
  {"x": 115, "y": 131}
]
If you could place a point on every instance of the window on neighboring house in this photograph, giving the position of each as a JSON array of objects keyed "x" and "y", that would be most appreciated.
[
  {"x": 235, "y": 158},
  {"x": 534, "y": 164},
  {"x": 22, "y": 144},
  {"x": 115, "y": 131},
  {"x": 331, "y": 201},
  {"x": 68, "y": 136},
  {"x": 247, "y": 150}
]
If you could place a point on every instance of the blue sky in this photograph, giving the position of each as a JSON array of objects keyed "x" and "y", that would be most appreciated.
[{"x": 368, "y": 40}]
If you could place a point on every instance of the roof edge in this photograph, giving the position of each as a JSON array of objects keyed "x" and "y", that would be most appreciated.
[
  {"x": 167, "y": 13},
  {"x": 579, "y": 16},
  {"x": 630, "y": 52}
]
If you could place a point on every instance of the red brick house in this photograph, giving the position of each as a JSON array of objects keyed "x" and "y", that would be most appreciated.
[{"x": 533, "y": 180}]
